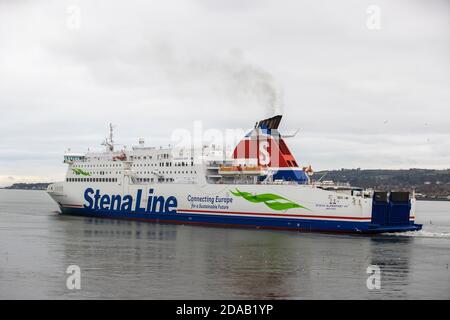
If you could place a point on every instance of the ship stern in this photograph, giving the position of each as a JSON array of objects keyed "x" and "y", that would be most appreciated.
[{"x": 393, "y": 211}]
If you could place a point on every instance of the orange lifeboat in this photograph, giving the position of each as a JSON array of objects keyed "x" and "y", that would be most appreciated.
[
  {"x": 121, "y": 157},
  {"x": 308, "y": 170},
  {"x": 234, "y": 170}
]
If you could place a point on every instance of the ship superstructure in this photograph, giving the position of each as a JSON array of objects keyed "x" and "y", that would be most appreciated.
[{"x": 259, "y": 185}]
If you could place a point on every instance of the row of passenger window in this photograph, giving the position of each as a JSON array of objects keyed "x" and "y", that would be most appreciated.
[
  {"x": 164, "y": 164},
  {"x": 91, "y": 179},
  {"x": 167, "y": 172},
  {"x": 99, "y": 165},
  {"x": 159, "y": 179}
]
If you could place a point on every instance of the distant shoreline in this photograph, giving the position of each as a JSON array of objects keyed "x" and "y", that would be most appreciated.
[
  {"x": 28, "y": 186},
  {"x": 14, "y": 189}
]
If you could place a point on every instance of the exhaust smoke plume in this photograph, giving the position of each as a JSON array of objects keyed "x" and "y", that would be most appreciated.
[
  {"x": 229, "y": 77},
  {"x": 257, "y": 84}
]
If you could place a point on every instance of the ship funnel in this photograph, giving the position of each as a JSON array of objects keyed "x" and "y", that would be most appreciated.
[
  {"x": 265, "y": 147},
  {"x": 269, "y": 123}
]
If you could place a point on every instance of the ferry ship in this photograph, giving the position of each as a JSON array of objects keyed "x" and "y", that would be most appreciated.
[{"x": 259, "y": 185}]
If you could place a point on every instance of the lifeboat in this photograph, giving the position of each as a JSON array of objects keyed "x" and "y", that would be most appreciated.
[
  {"x": 243, "y": 170},
  {"x": 308, "y": 170},
  {"x": 120, "y": 157}
]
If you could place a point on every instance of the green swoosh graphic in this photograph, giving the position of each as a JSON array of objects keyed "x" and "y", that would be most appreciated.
[
  {"x": 79, "y": 171},
  {"x": 269, "y": 199}
]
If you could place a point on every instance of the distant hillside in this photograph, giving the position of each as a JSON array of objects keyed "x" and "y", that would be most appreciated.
[
  {"x": 433, "y": 184},
  {"x": 28, "y": 186}
]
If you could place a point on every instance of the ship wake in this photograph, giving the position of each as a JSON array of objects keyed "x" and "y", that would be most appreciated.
[{"x": 422, "y": 234}]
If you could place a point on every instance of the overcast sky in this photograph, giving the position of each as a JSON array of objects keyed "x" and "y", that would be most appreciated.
[{"x": 365, "y": 92}]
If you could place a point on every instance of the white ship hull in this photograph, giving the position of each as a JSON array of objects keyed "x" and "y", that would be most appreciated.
[{"x": 298, "y": 207}]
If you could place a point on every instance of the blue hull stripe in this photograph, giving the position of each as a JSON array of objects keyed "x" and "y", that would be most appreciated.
[{"x": 244, "y": 221}]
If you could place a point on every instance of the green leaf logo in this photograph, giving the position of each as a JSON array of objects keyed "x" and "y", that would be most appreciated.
[
  {"x": 78, "y": 171},
  {"x": 273, "y": 201}
]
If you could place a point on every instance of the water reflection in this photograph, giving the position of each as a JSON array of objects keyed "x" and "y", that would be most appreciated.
[
  {"x": 126, "y": 229},
  {"x": 169, "y": 261},
  {"x": 127, "y": 259},
  {"x": 392, "y": 255}
]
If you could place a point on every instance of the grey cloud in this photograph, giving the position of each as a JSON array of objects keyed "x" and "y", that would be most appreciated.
[{"x": 360, "y": 97}]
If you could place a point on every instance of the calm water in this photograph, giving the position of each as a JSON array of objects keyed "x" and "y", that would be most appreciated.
[{"x": 149, "y": 261}]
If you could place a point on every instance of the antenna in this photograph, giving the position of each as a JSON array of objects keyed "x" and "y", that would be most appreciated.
[
  {"x": 109, "y": 141},
  {"x": 111, "y": 134},
  {"x": 291, "y": 135}
]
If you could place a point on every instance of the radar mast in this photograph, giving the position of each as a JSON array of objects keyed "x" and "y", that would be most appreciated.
[{"x": 109, "y": 141}]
